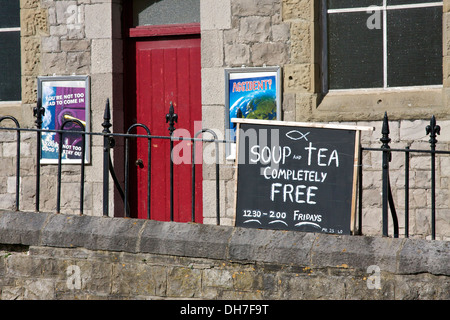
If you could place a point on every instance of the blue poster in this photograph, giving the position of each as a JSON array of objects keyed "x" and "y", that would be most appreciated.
[{"x": 254, "y": 96}]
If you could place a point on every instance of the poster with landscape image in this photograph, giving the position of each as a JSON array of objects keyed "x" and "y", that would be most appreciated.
[{"x": 251, "y": 93}]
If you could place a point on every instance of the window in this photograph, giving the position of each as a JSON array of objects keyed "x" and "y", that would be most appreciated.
[
  {"x": 10, "y": 73},
  {"x": 382, "y": 43},
  {"x": 161, "y": 12}
]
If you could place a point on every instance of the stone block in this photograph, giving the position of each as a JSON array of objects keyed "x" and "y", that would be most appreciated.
[
  {"x": 432, "y": 256},
  {"x": 7, "y": 136},
  {"x": 91, "y": 232},
  {"x": 50, "y": 44},
  {"x": 446, "y": 34},
  {"x": 281, "y": 32},
  {"x": 301, "y": 42},
  {"x": 226, "y": 170},
  {"x": 7, "y": 201},
  {"x": 66, "y": 11},
  {"x": 446, "y": 71},
  {"x": 184, "y": 282},
  {"x": 185, "y": 239},
  {"x": 214, "y": 119},
  {"x": 33, "y": 22},
  {"x": 101, "y": 56},
  {"x": 75, "y": 45},
  {"x": 54, "y": 62},
  {"x": 289, "y": 106},
  {"x": 215, "y": 14},
  {"x": 244, "y": 8},
  {"x": 270, "y": 53},
  {"x": 209, "y": 198},
  {"x": 31, "y": 48},
  {"x": 10, "y": 149},
  {"x": 299, "y": 10},
  {"x": 413, "y": 130},
  {"x": 58, "y": 30},
  {"x": 212, "y": 49},
  {"x": 237, "y": 54},
  {"x": 52, "y": 16},
  {"x": 21, "y": 228},
  {"x": 271, "y": 245},
  {"x": 28, "y": 4},
  {"x": 446, "y": 6},
  {"x": 444, "y": 166},
  {"x": 254, "y": 29},
  {"x": 11, "y": 185},
  {"x": 297, "y": 78},
  {"x": 98, "y": 23},
  {"x": 139, "y": 279},
  {"x": 217, "y": 278},
  {"x": 20, "y": 265},
  {"x": 213, "y": 86},
  {"x": 78, "y": 62},
  {"x": 356, "y": 252}
]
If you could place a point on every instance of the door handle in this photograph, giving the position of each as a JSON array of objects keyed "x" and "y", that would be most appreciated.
[{"x": 139, "y": 163}]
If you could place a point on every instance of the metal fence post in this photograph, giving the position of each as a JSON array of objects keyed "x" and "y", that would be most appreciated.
[
  {"x": 385, "y": 167},
  {"x": 38, "y": 112},
  {"x": 171, "y": 118},
  {"x": 407, "y": 192},
  {"x": 106, "y": 146},
  {"x": 432, "y": 129}
]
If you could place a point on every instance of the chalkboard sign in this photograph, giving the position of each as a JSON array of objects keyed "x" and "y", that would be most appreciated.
[{"x": 297, "y": 176}]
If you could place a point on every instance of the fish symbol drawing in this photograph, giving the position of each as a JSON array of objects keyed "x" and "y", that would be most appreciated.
[{"x": 296, "y": 135}]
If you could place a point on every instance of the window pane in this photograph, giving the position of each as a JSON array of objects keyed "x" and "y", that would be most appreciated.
[
  {"x": 10, "y": 87},
  {"x": 355, "y": 58},
  {"x": 339, "y": 4},
  {"x": 414, "y": 45},
  {"x": 160, "y": 12},
  {"x": 9, "y": 13},
  {"x": 397, "y": 2}
]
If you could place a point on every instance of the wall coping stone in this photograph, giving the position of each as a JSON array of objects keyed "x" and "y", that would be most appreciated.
[{"x": 398, "y": 256}]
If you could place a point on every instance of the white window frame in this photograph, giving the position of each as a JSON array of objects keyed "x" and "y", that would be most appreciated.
[{"x": 370, "y": 10}]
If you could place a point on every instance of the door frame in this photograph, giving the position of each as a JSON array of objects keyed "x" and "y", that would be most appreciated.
[{"x": 164, "y": 30}]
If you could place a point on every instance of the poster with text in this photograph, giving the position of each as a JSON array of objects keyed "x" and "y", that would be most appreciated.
[
  {"x": 65, "y": 100},
  {"x": 251, "y": 93}
]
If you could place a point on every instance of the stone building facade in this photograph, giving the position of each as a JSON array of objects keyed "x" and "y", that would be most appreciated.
[{"x": 90, "y": 37}]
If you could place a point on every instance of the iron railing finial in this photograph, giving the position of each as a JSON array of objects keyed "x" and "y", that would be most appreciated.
[{"x": 171, "y": 118}]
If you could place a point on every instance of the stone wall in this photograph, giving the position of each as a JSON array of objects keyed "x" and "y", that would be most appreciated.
[{"x": 48, "y": 256}]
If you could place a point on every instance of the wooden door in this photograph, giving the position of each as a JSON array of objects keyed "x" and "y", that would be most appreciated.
[{"x": 168, "y": 71}]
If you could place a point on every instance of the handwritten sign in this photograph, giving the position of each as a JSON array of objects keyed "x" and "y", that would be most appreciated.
[{"x": 294, "y": 176}]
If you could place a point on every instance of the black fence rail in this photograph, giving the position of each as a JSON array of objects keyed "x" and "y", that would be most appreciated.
[
  {"x": 171, "y": 118},
  {"x": 387, "y": 199},
  {"x": 108, "y": 169}
]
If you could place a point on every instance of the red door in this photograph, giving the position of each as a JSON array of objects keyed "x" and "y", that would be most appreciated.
[{"x": 168, "y": 71}]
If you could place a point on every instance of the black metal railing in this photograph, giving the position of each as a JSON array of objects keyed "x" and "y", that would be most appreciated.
[
  {"x": 387, "y": 199},
  {"x": 171, "y": 118},
  {"x": 108, "y": 169}
]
